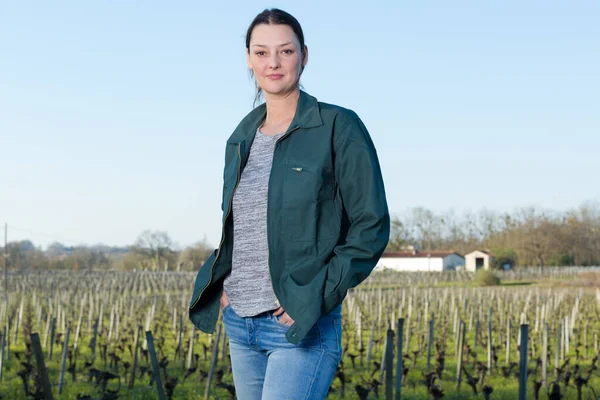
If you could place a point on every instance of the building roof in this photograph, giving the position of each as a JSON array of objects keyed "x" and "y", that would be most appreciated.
[
  {"x": 420, "y": 254},
  {"x": 486, "y": 252}
]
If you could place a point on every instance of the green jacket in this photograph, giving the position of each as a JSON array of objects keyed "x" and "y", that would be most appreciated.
[{"x": 327, "y": 216}]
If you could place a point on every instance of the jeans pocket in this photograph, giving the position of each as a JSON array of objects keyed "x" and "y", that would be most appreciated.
[{"x": 279, "y": 323}]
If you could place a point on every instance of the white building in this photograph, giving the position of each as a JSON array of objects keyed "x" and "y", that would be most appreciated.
[
  {"x": 478, "y": 259},
  {"x": 421, "y": 261}
]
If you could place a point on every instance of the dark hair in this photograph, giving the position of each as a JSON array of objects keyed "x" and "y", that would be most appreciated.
[{"x": 274, "y": 16}]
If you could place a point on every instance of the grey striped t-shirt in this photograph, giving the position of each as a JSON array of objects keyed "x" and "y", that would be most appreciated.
[{"x": 249, "y": 287}]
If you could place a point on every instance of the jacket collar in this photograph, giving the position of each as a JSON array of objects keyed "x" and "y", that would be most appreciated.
[{"x": 308, "y": 115}]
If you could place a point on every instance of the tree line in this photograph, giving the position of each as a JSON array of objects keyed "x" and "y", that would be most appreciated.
[
  {"x": 152, "y": 251},
  {"x": 528, "y": 236}
]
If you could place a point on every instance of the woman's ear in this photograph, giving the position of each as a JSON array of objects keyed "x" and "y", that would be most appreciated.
[
  {"x": 305, "y": 56},
  {"x": 248, "y": 59}
]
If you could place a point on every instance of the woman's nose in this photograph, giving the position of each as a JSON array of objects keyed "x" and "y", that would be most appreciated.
[{"x": 274, "y": 61}]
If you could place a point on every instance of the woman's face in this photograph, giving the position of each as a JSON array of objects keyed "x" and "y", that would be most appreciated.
[{"x": 276, "y": 58}]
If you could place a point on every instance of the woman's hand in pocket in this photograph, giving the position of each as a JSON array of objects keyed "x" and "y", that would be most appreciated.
[
  {"x": 285, "y": 318},
  {"x": 224, "y": 300}
]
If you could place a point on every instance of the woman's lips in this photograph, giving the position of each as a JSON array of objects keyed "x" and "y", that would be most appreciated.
[{"x": 275, "y": 77}]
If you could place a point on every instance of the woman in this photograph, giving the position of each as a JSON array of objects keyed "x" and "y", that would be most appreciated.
[{"x": 304, "y": 220}]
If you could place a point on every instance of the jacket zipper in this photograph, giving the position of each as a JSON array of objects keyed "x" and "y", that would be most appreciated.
[
  {"x": 268, "y": 251},
  {"x": 222, "y": 228},
  {"x": 227, "y": 216}
]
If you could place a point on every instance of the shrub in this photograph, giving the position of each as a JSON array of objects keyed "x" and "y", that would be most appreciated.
[
  {"x": 485, "y": 277},
  {"x": 504, "y": 256}
]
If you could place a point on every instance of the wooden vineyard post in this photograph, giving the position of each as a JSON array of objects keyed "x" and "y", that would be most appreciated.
[
  {"x": 223, "y": 348},
  {"x": 179, "y": 350},
  {"x": 456, "y": 329},
  {"x": 508, "y": 329},
  {"x": 135, "y": 357},
  {"x": 63, "y": 362},
  {"x": 191, "y": 348},
  {"x": 47, "y": 330},
  {"x": 2, "y": 345},
  {"x": 77, "y": 330},
  {"x": 370, "y": 345},
  {"x": 523, "y": 362},
  {"x": 41, "y": 366},
  {"x": 407, "y": 336},
  {"x": 383, "y": 357},
  {"x": 111, "y": 324},
  {"x": 558, "y": 347},
  {"x": 489, "y": 347},
  {"x": 545, "y": 356},
  {"x": 418, "y": 330},
  {"x": 76, "y": 340},
  {"x": 360, "y": 339},
  {"x": 213, "y": 362},
  {"x": 91, "y": 311},
  {"x": 389, "y": 365},
  {"x": 358, "y": 324},
  {"x": 155, "y": 367},
  {"x": 567, "y": 329},
  {"x": 94, "y": 341},
  {"x": 174, "y": 317},
  {"x": 470, "y": 317},
  {"x": 585, "y": 339},
  {"x": 562, "y": 341},
  {"x": 430, "y": 342},
  {"x": 7, "y": 340},
  {"x": 477, "y": 328},
  {"x": 117, "y": 316},
  {"x": 18, "y": 323},
  {"x": 52, "y": 333},
  {"x": 459, "y": 363},
  {"x": 399, "y": 360}
]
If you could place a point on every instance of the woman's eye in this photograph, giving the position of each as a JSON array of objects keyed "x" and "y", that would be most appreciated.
[
  {"x": 260, "y": 53},
  {"x": 288, "y": 51}
]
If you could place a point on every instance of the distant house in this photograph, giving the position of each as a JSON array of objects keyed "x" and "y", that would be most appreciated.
[
  {"x": 421, "y": 261},
  {"x": 478, "y": 259}
]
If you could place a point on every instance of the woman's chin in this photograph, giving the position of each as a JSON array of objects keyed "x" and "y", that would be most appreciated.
[{"x": 277, "y": 90}]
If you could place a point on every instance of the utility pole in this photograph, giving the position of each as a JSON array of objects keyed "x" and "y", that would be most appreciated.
[{"x": 6, "y": 263}]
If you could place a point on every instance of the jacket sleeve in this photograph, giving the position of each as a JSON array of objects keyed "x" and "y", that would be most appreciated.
[{"x": 360, "y": 184}]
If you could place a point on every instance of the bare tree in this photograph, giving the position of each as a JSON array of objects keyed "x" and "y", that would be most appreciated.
[
  {"x": 401, "y": 235},
  {"x": 195, "y": 255},
  {"x": 153, "y": 245}
]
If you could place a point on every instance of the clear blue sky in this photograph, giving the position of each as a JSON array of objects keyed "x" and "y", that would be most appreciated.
[{"x": 114, "y": 115}]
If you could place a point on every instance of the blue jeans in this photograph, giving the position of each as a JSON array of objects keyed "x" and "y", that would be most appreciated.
[{"x": 267, "y": 367}]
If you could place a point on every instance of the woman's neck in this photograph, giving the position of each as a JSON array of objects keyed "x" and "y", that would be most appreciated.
[{"x": 281, "y": 110}]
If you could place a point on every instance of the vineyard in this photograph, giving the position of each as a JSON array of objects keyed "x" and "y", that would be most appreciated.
[{"x": 126, "y": 335}]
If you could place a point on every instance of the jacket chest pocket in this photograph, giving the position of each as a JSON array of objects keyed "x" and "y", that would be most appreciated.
[{"x": 308, "y": 199}]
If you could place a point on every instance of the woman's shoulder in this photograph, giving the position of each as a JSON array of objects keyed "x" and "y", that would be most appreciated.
[
  {"x": 250, "y": 122},
  {"x": 336, "y": 112},
  {"x": 345, "y": 122}
]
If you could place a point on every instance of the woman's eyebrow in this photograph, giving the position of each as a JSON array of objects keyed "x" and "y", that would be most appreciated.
[{"x": 262, "y": 45}]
